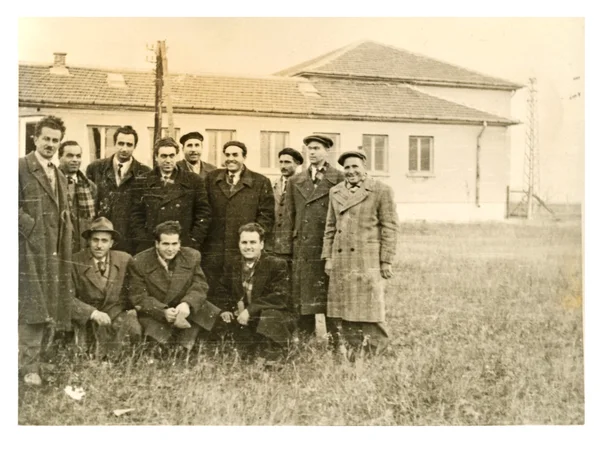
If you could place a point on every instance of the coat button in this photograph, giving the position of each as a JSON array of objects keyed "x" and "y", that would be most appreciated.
[
  {"x": 162, "y": 208},
  {"x": 339, "y": 231},
  {"x": 339, "y": 250},
  {"x": 351, "y": 249}
]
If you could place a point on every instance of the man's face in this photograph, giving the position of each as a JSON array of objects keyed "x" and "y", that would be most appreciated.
[
  {"x": 354, "y": 170},
  {"x": 125, "y": 145},
  {"x": 165, "y": 158},
  {"x": 250, "y": 245},
  {"x": 70, "y": 161},
  {"x": 192, "y": 150},
  {"x": 47, "y": 142},
  {"x": 168, "y": 246},
  {"x": 317, "y": 153},
  {"x": 234, "y": 158},
  {"x": 287, "y": 165},
  {"x": 100, "y": 244}
]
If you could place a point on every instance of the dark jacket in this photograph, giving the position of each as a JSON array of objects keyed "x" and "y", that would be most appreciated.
[
  {"x": 251, "y": 201},
  {"x": 205, "y": 167},
  {"x": 45, "y": 246},
  {"x": 185, "y": 200},
  {"x": 115, "y": 202}
]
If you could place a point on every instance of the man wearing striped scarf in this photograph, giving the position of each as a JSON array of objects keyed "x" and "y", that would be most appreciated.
[{"x": 81, "y": 191}]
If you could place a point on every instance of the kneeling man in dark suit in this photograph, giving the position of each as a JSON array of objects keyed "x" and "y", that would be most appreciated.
[
  {"x": 102, "y": 316},
  {"x": 253, "y": 293},
  {"x": 168, "y": 288}
]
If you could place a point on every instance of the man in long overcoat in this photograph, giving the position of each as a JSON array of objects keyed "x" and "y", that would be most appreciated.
[
  {"x": 115, "y": 178},
  {"x": 237, "y": 196},
  {"x": 192, "y": 151},
  {"x": 45, "y": 248},
  {"x": 169, "y": 193},
  {"x": 359, "y": 249},
  {"x": 307, "y": 203}
]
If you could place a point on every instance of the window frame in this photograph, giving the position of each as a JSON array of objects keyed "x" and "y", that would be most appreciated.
[
  {"x": 420, "y": 172},
  {"x": 23, "y": 122},
  {"x": 103, "y": 144},
  {"x": 218, "y": 146},
  {"x": 371, "y": 159},
  {"x": 272, "y": 151}
]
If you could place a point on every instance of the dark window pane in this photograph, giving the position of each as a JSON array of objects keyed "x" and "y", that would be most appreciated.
[
  {"x": 29, "y": 132},
  {"x": 412, "y": 154},
  {"x": 264, "y": 149},
  {"x": 368, "y": 150},
  {"x": 425, "y": 154},
  {"x": 380, "y": 152}
]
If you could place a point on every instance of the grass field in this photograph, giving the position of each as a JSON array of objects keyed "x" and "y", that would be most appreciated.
[{"x": 486, "y": 321}]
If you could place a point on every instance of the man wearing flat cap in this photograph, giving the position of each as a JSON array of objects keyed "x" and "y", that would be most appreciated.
[
  {"x": 102, "y": 317},
  {"x": 191, "y": 144},
  {"x": 307, "y": 199},
  {"x": 359, "y": 248},
  {"x": 289, "y": 160}
]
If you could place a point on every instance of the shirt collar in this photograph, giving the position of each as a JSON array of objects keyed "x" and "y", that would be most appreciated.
[
  {"x": 124, "y": 168},
  {"x": 162, "y": 261},
  {"x": 44, "y": 162},
  {"x": 105, "y": 259}
]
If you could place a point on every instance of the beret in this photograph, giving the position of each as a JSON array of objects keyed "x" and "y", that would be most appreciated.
[
  {"x": 239, "y": 144},
  {"x": 191, "y": 135},
  {"x": 296, "y": 155},
  {"x": 351, "y": 154},
  {"x": 325, "y": 140}
]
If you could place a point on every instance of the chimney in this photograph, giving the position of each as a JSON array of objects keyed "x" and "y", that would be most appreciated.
[{"x": 60, "y": 64}]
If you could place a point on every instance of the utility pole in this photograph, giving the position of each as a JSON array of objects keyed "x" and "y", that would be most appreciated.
[
  {"x": 167, "y": 89},
  {"x": 158, "y": 87},
  {"x": 531, "y": 167}
]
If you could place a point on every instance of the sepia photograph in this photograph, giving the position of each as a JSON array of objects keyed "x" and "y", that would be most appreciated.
[{"x": 232, "y": 222}]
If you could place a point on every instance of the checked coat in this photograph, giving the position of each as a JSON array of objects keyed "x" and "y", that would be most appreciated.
[
  {"x": 361, "y": 233},
  {"x": 306, "y": 207},
  {"x": 184, "y": 200}
]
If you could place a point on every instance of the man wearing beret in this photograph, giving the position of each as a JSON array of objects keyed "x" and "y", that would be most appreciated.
[
  {"x": 307, "y": 199},
  {"x": 359, "y": 248},
  {"x": 289, "y": 160},
  {"x": 192, "y": 151},
  {"x": 237, "y": 196}
]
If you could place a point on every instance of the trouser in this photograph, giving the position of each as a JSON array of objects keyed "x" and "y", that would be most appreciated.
[
  {"x": 33, "y": 338},
  {"x": 165, "y": 334},
  {"x": 371, "y": 336},
  {"x": 108, "y": 339},
  {"x": 307, "y": 324}
]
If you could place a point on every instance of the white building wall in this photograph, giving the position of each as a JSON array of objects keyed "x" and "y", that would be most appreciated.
[{"x": 448, "y": 194}]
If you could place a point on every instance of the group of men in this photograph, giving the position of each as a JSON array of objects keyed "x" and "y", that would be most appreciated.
[{"x": 124, "y": 251}]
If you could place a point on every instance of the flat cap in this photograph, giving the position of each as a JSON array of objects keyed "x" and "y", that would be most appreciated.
[
  {"x": 239, "y": 144},
  {"x": 351, "y": 154},
  {"x": 296, "y": 155},
  {"x": 191, "y": 135},
  {"x": 324, "y": 140}
]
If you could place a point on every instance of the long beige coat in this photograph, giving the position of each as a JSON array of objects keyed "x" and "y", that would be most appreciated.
[{"x": 360, "y": 234}]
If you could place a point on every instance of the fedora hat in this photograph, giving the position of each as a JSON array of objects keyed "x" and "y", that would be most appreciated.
[{"x": 101, "y": 224}]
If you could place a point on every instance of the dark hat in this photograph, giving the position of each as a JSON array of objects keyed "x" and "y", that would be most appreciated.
[
  {"x": 296, "y": 155},
  {"x": 351, "y": 154},
  {"x": 239, "y": 144},
  {"x": 324, "y": 140},
  {"x": 101, "y": 224},
  {"x": 191, "y": 135}
]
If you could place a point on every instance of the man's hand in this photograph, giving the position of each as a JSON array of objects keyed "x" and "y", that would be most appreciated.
[
  {"x": 243, "y": 317},
  {"x": 386, "y": 270},
  {"x": 227, "y": 317},
  {"x": 101, "y": 318},
  {"x": 170, "y": 314},
  {"x": 183, "y": 309},
  {"x": 328, "y": 267}
]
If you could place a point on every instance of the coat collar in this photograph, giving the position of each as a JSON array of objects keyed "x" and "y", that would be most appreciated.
[
  {"x": 41, "y": 176},
  {"x": 347, "y": 199},
  {"x": 246, "y": 180},
  {"x": 159, "y": 277},
  {"x": 308, "y": 189},
  {"x": 95, "y": 279}
]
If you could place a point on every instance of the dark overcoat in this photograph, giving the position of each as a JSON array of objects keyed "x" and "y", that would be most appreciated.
[
  {"x": 184, "y": 200},
  {"x": 250, "y": 201},
  {"x": 361, "y": 233},
  {"x": 115, "y": 202},
  {"x": 205, "y": 167},
  {"x": 45, "y": 247},
  {"x": 307, "y": 206},
  {"x": 151, "y": 290},
  {"x": 269, "y": 307},
  {"x": 283, "y": 224}
]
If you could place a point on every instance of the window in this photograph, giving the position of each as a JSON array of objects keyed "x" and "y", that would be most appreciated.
[
  {"x": 420, "y": 154},
  {"x": 271, "y": 143},
  {"x": 102, "y": 143},
  {"x": 163, "y": 133},
  {"x": 375, "y": 148},
  {"x": 215, "y": 139},
  {"x": 334, "y": 151}
]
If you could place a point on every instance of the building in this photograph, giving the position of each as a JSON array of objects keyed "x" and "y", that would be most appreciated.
[{"x": 437, "y": 133}]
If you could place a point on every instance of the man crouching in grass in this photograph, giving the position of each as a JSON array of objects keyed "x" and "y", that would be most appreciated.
[
  {"x": 253, "y": 294},
  {"x": 168, "y": 287}
]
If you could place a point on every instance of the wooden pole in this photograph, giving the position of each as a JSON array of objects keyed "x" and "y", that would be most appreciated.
[
  {"x": 158, "y": 97},
  {"x": 167, "y": 90}
]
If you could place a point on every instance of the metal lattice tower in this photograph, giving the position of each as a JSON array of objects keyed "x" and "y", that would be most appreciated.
[{"x": 531, "y": 165}]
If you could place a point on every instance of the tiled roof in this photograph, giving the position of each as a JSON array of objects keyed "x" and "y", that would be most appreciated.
[
  {"x": 369, "y": 59},
  {"x": 336, "y": 99}
]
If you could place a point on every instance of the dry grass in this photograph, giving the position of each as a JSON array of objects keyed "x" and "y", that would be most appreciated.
[{"x": 487, "y": 329}]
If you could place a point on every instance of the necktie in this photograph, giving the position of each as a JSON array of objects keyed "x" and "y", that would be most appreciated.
[
  {"x": 283, "y": 186},
  {"x": 318, "y": 176},
  {"x": 230, "y": 180},
  {"x": 166, "y": 180},
  {"x": 51, "y": 176},
  {"x": 102, "y": 267},
  {"x": 119, "y": 172}
]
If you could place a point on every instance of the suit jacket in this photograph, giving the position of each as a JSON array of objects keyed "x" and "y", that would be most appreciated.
[
  {"x": 185, "y": 201},
  {"x": 115, "y": 202},
  {"x": 250, "y": 201},
  {"x": 90, "y": 294},
  {"x": 45, "y": 246},
  {"x": 283, "y": 224},
  {"x": 205, "y": 167},
  {"x": 152, "y": 290},
  {"x": 307, "y": 206}
]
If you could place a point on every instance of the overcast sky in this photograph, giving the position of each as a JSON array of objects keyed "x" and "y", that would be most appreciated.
[{"x": 552, "y": 50}]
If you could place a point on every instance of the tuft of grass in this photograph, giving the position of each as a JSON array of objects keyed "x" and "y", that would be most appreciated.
[{"x": 486, "y": 326}]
